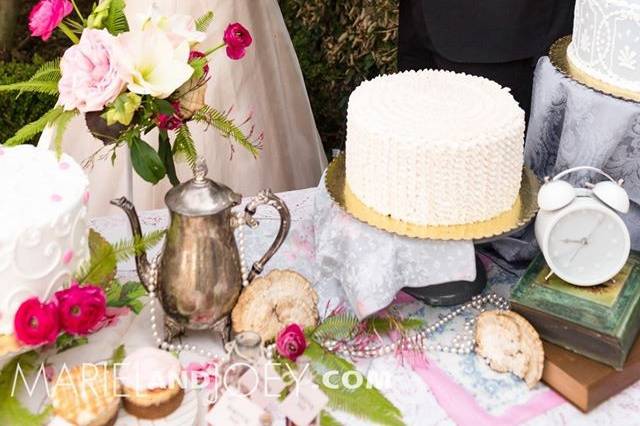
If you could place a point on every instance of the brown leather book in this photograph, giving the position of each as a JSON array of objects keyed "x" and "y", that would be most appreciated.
[{"x": 583, "y": 381}]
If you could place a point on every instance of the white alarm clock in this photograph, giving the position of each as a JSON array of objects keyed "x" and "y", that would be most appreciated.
[{"x": 579, "y": 230}]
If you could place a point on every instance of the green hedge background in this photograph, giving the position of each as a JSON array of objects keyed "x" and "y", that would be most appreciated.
[{"x": 339, "y": 44}]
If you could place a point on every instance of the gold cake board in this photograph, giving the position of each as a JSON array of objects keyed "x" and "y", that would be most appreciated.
[
  {"x": 522, "y": 212},
  {"x": 559, "y": 59}
]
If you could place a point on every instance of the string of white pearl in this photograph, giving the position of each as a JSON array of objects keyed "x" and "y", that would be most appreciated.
[
  {"x": 461, "y": 344},
  {"x": 152, "y": 279}
]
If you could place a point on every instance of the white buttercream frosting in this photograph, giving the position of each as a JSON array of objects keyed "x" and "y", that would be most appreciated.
[
  {"x": 606, "y": 41},
  {"x": 149, "y": 369},
  {"x": 43, "y": 232},
  {"x": 434, "y": 147}
]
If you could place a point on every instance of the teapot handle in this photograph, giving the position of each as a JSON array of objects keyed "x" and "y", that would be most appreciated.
[{"x": 267, "y": 198}]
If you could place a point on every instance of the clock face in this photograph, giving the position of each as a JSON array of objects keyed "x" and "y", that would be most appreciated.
[{"x": 588, "y": 246}]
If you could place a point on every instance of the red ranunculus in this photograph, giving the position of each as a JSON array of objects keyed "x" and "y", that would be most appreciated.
[
  {"x": 237, "y": 39},
  {"x": 81, "y": 309},
  {"x": 291, "y": 342},
  {"x": 47, "y": 15},
  {"x": 170, "y": 122},
  {"x": 36, "y": 323}
]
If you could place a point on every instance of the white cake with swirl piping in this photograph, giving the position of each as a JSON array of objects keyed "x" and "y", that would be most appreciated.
[
  {"x": 606, "y": 42},
  {"x": 43, "y": 226},
  {"x": 434, "y": 147}
]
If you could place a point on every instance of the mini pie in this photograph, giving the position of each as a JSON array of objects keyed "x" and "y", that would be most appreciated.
[
  {"x": 151, "y": 383},
  {"x": 86, "y": 395},
  {"x": 510, "y": 344},
  {"x": 272, "y": 302}
]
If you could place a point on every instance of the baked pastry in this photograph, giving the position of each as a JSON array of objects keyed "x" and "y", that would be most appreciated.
[
  {"x": 44, "y": 232},
  {"x": 510, "y": 344},
  {"x": 151, "y": 384},
  {"x": 606, "y": 42},
  {"x": 274, "y": 301},
  {"x": 434, "y": 147},
  {"x": 86, "y": 395}
]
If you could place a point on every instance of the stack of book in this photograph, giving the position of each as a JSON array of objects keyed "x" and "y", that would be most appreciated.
[{"x": 589, "y": 332}]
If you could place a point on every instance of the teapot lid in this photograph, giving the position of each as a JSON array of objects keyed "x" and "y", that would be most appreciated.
[{"x": 201, "y": 196}]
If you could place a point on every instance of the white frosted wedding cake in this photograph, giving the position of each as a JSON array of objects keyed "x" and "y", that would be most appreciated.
[
  {"x": 43, "y": 226},
  {"x": 434, "y": 147},
  {"x": 606, "y": 41}
]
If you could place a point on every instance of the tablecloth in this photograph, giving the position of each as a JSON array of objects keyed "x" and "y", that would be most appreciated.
[
  {"x": 451, "y": 389},
  {"x": 572, "y": 125}
]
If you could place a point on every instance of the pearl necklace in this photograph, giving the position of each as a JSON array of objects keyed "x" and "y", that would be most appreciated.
[{"x": 153, "y": 276}]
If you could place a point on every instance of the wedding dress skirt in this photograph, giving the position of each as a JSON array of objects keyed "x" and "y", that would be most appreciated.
[{"x": 267, "y": 83}]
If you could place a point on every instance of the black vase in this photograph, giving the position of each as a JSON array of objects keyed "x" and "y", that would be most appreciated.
[{"x": 101, "y": 130}]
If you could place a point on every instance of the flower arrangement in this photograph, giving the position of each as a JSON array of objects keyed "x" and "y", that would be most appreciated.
[
  {"x": 128, "y": 78},
  {"x": 303, "y": 350}
]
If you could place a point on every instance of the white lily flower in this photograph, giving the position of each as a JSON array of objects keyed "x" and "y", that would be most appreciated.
[
  {"x": 179, "y": 28},
  {"x": 151, "y": 65}
]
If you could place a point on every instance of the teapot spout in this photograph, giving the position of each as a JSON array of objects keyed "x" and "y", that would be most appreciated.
[{"x": 142, "y": 263}]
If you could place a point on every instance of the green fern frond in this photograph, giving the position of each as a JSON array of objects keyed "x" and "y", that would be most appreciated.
[
  {"x": 61, "y": 124},
  {"x": 203, "y": 22},
  {"x": 225, "y": 126},
  {"x": 337, "y": 327},
  {"x": 327, "y": 420},
  {"x": 48, "y": 72},
  {"x": 116, "y": 22},
  {"x": 46, "y": 87},
  {"x": 105, "y": 257},
  {"x": 364, "y": 401},
  {"x": 32, "y": 129},
  {"x": 185, "y": 146}
]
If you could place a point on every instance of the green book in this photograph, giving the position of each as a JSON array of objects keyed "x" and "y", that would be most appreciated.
[{"x": 599, "y": 322}]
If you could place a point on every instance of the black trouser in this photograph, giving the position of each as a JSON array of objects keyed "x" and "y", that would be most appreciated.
[{"x": 415, "y": 53}]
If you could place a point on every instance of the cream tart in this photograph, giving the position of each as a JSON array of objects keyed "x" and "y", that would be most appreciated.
[
  {"x": 86, "y": 395},
  {"x": 151, "y": 385}
]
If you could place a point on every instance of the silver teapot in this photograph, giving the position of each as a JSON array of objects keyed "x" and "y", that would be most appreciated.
[{"x": 198, "y": 277}]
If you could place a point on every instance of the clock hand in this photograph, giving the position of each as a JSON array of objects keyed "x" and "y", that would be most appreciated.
[
  {"x": 569, "y": 241},
  {"x": 585, "y": 241}
]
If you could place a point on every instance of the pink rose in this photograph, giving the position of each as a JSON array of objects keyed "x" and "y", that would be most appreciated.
[
  {"x": 237, "y": 39},
  {"x": 81, "y": 309},
  {"x": 90, "y": 78},
  {"x": 170, "y": 122},
  {"x": 47, "y": 15},
  {"x": 36, "y": 323},
  {"x": 291, "y": 342}
]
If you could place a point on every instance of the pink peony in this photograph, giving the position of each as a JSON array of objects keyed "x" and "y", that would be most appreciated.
[
  {"x": 291, "y": 342},
  {"x": 36, "y": 323},
  {"x": 170, "y": 122},
  {"x": 237, "y": 39},
  {"x": 81, "y": 309},
  {"x": 90, "y": 79},
  {"x": 47, "y": 15}
]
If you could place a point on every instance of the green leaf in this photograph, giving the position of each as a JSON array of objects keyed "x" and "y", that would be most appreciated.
[
  {"x": 46, "y": 87},
  {"x": 119, "y": 354},
  {"x": 126, "y": 295},
  {"x": 164, "y": 107},
  {"x": 32, "y": 129},
  {"x": 61, "y": 124},
  {"x": 166, "y": 155},
  {"x": 337, "y": 327},
  {"x": 47, "y": 73},
  {"x": 327, "y": 420},
  {"x": 203, "y": 22},
  {"x": 365, "y": 401},
  {"x": 122, "y": 109},
  {"x": 116, "y": 21},
  {"x": 12, "y": 412},
  {"x": 146, "y": 161},
  {"x": 66, "y": 341},
  {"x": 184, "y": 145}
]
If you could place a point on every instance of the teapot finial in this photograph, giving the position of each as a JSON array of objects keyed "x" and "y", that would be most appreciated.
[{"x": 201, "y": 169}]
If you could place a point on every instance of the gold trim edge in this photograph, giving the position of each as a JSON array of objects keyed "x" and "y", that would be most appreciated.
[
  {"x": 560, "y": 60},
  {"x": 522, "y": 212}
]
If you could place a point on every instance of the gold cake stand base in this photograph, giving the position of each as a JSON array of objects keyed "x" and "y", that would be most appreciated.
[
  {"x": 559, "y": 59},
  {"x": 522, "y": 212}
]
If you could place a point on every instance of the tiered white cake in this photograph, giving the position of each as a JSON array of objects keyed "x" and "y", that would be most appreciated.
[
  {"x": 43, "y": 226},
  {"x": 434, "y": 147},
  {"x": 606, "y": 41}
]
